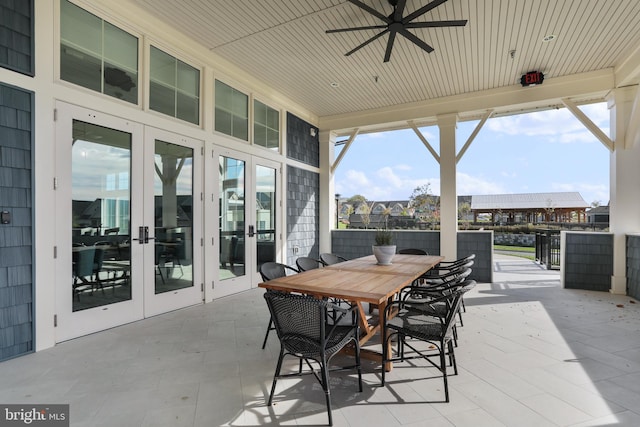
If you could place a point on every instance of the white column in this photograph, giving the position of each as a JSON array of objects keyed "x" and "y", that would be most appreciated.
[
  {"x": 327, "y": 189},
  {"x": 624, "y": 178},
  {"x": 448, "y": 193}
]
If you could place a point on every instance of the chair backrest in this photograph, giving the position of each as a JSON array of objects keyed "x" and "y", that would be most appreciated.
[
  {"x": 84, "y": 261},
  {"x": 299, "y": 321},
  {"x": 412, "y": 251},
  {"x": 272, "y": 270},
  {"x": 329, "y": 259},
  {"x": 305, "y": 263}
]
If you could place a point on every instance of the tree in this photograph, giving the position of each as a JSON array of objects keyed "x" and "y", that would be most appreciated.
[
  {"x": 366, "y": 214},
  {"x": 356, "y": 200},
  {"x": 424, "y": 203},
  {"x": 463, "y": 211}
]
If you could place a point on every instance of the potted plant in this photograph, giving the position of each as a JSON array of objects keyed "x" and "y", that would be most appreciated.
[{"x": 384, "y": 249}]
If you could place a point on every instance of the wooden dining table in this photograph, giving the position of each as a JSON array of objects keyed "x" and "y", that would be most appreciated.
[{"x": 359, "y": 281}]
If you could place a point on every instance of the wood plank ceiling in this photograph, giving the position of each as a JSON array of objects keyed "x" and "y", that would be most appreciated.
[{"x": 284, "y": 44}]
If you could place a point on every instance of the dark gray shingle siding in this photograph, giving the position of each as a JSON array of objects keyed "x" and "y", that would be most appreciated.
[{"x": 16, "y": 238}]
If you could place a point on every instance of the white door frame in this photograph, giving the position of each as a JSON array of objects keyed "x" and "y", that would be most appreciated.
[
  {"x": 71, "y": 324},
  {"x": 163, "y": 302},
  {"x": 215, "y": 287}
]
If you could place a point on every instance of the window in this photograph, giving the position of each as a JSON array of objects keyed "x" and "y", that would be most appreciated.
[
  {"x": 266, "y": 126},
  {"x": 97, "y": 55},
  {"x": 174, "y": 88},
  {"x": 16, "y": 36},
  {"x": 232, "y": 111}
]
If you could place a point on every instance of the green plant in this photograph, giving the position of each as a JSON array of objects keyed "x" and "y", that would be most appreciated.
[{"x": 383, "y": 237}]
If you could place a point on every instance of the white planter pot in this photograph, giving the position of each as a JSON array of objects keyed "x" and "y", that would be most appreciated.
[{"x": 384, "y": 254}]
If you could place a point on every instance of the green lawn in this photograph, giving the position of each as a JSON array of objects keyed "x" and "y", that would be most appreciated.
[
  {"x": 524, "y": 252},
  {"x": 514, "y": 248}
]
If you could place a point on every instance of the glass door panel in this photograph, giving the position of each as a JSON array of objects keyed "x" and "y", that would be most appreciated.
[
  {"x": 100, "y": 203},
  {"x": 232, "y": 217},
  {"x": 173, "y": 214},
  {"x": 265, "y": 215},
  {"x": 173, "y": 217}
]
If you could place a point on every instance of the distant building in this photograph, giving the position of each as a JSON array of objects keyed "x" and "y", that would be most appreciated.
[
  {"x": 598, "y": 215},
  {"x": 497, "y": 208},
  {"x": 531, "y": 207}
]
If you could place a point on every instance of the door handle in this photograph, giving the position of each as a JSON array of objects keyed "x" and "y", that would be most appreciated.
[
  {"x": 143, "y": 235},
  {"x": 251, "y": 232}
]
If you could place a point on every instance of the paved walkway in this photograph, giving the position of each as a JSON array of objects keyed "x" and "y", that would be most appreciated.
[{"x": 530, "y": 354}]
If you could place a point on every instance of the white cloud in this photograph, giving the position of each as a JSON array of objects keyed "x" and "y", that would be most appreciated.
[
  {"x": 387, "y": 175},
  {"x": 474, "y": 185},
  {"x": 560, "y": 124},
  {"x": 589, "y": 192}
]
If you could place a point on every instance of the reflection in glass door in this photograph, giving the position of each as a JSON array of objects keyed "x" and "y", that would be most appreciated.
[
  {"x": 172, "y": 208},
  {"x": 100, "y": 223},
  {"x": 173, "y": 216},
  {"x": 265, "y": 215},
  {"x": 232, "y": 217}
]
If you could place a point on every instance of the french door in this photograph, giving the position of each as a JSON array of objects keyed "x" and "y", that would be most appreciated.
[
  {"x": 248, "y": 232},
  {"x": 172, "y": 211},
  {"x": 128, "y": 221}
]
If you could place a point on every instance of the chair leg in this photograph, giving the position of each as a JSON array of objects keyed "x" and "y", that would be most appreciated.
[
  {"x": 443, "y": 368},
  {"x": 452, "y": 358},
  {"x": 385, "y": 356},
  {"x": 358, "y": 364},
  {"x": 266, "y": 335},
  {"x": 325, "y": 386},
  {"x": 275, "y": 376}
]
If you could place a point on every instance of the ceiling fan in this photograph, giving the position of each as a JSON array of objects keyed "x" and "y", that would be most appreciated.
[{"x": 397, "y": 24}]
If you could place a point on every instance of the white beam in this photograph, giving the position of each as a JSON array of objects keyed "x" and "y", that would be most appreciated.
[
  {"x": 627, "y": 73},
  {"x": 424, "y": 141},
  {"x": 632, "y": 135},
  {"x": 448, "y": 186},
  {"x": 473, "y": 135},
  {"x": 588, "y": 123},
  {"x": 335, "y": 164},
  {"x": 591, "y": 85}
]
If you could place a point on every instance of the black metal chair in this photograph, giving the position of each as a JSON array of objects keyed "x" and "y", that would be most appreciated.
[
  {"x": 269, "y": 271},
  {"x": 412, "y": 251},
  {"x": 446, "y": 266},
  {"x": 431, "y": 322},
  {"x": 330, "y": 259},
  {"x": 305, "y": 263},
  {"x": 307, "y": 332}
]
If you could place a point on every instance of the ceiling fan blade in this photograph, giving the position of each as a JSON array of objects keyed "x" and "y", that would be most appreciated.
[
  {"x": 433, "y": 24},
  {"x": 421, "y": 44},
  {"x": 424, "y": 9},
  {"x": 369, "y": 27},
  {"x": 370, "y": 10},
  {"x": 399, "y": 10},
  {"x": 387, "y": 53},
  {"x": 377, "y": 36}
]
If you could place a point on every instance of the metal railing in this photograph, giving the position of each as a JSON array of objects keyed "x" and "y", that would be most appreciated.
[{"x": 548, "y": 248}]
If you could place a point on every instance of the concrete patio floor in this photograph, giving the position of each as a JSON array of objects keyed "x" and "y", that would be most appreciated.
[{"x": 530, "y": 354}]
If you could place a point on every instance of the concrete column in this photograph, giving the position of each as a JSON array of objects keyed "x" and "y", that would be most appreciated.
[
  {"x": 624, "y": 178},
  {"x": 327, "y": 189},
  {"x": 447, "y": 124}
]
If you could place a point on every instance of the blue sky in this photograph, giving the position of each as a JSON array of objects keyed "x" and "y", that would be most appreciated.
[{"x": 547, "y": 151}]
